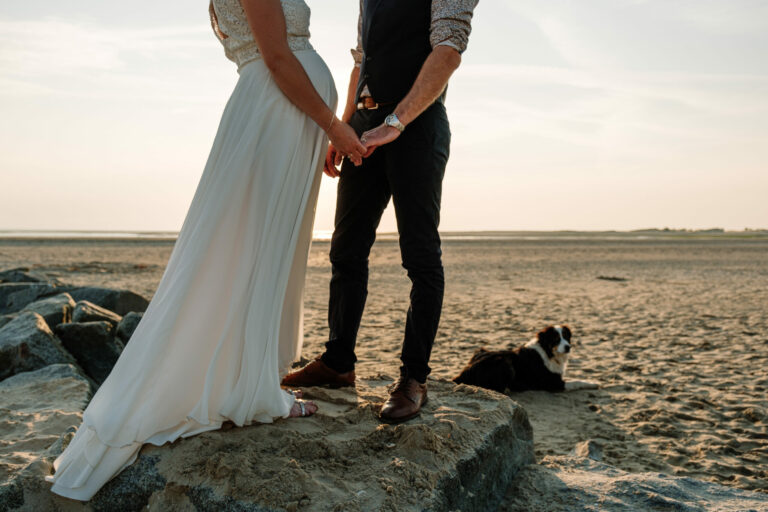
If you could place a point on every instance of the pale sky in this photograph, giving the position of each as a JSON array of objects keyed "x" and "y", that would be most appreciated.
[{"x": 581, "y": 114}]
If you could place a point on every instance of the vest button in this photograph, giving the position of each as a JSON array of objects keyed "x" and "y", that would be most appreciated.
[{"x": 368, "y": 59}]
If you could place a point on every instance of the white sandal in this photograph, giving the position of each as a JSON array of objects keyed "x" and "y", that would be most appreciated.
[
  {"x": 302, "y": 409},
  {"x": 297, "y": 393}
]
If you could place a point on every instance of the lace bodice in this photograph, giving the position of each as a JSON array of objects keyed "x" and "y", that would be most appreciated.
[{"x": 231, "y": 28}]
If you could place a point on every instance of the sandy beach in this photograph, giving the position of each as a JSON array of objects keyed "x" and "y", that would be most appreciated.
[{"x": 674, "y": 329}]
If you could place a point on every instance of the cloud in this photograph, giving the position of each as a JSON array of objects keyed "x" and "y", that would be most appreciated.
[
  {"x": 732, "y": 94},
  {"x": 55, "y": 46},
  {"x": 731, "y": 17},
  {"x": 694, "y": 35},
  {"x": 57, "y": 58},
  {"x": 635, "y": 78}
]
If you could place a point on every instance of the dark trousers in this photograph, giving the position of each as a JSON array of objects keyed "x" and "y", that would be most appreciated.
[{"x": 410, "y": 170}]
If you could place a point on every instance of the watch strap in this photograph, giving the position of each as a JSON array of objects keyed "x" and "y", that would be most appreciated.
[{"x": 392, "y": 120}]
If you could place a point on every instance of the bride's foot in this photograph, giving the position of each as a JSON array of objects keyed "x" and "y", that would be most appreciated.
[
  {"x": 296, "y": 392},
  {"x": 303, "y": 408}
]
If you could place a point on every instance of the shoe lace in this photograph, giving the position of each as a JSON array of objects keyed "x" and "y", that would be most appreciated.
[{"x": 401, "y": 384}]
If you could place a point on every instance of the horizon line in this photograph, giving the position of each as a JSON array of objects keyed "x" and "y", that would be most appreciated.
[
  {"x": 391, "y": 236},
  {"x": 665, "y": 229}
]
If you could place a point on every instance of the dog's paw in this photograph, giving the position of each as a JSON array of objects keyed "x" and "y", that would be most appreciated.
[{"x": 573, "y": 385}]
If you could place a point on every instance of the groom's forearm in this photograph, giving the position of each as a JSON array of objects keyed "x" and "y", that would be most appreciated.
[
  {"x": 350, "y": 107},
  {"x": 429, "y": 84}
]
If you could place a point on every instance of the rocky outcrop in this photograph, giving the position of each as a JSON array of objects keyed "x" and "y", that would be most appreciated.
[
  {"x": 86, "y": 311},
  {"x": 55, "y": 310},
  {"x": 134, "y": 490},
  {"x": 94, "y": 346},
  {"x": 128, "y": 325},
  {"x": 4, "y": 319},
  {"x": 25, "y": 275},
  {"x": 27, "y": 343},
  {"x": 589, "y": 449},
  {"x": 118, "y": 301},
  {"x": 37, "y": 408},
  {"x": 14, "y": 296},
  {"x": 460, "y": 454},
  {"x": 581, "y": 484}
]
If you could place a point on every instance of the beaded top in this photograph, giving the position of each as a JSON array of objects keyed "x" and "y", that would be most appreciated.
[{"x": 231, "y": 28}]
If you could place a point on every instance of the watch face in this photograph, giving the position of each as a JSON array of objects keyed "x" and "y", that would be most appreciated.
[{"x": 392, "y": 120}]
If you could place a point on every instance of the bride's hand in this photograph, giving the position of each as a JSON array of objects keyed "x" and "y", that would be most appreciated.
[
  {"x": 332, "y": 161},
  {"x": 345, "y": 141}
]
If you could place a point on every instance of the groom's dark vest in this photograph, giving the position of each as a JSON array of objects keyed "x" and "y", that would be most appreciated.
[{"x": 395, "y": 46}]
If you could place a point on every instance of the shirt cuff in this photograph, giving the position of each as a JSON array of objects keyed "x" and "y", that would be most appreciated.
[
  {"x": 444, "y": 34},
  {"x": 449, "y": 43},
  {"x": 357, "y": 55}
]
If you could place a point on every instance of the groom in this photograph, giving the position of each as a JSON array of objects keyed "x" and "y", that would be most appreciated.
[{"x": 406, "y": 52}]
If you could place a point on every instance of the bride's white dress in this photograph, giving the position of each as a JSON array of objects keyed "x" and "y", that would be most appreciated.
[{"x": 225, "y": 322}]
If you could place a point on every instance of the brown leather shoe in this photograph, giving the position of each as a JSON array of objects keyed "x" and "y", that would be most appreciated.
[
  {"x": 405, "y": 400},
  {"x": 317, "y": 373}
]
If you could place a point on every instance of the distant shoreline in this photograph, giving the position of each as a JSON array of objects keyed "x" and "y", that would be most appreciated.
[{"x": 447, "y": 236}]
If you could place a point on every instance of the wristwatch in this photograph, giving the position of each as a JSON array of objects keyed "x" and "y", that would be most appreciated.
[{"x": 392, "y": 120}]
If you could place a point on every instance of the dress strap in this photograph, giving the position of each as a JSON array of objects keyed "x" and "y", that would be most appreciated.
[{"x": 215, "y": 22}]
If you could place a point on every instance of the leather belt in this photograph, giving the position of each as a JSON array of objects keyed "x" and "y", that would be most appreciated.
[{"x": 368, "y": 103}]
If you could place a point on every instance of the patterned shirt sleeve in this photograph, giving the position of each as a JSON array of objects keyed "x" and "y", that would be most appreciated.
[
  {"x": 451, "y": 23},
  {"x": 357, "y": 52}
]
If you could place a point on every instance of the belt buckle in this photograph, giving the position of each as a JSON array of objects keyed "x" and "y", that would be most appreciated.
[{"x": 362, "y": 104}]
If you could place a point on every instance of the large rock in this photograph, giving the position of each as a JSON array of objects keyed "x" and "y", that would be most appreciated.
[
  {"x": 55, "y": 310},
  {"x": 589, "y": 449},
  {"x": 134, "y": 489},
  {"x": 11, "y": 495},
  {"x": 94, "y": 346},
  {"x": 4, "y": 319},
  {"x": 128, "y": 325},
  {"x": 37, "y": 408},
  {"x": 119, "y": 301},
  {"x": 86, "y": 311},
  {"x": 461, "y": 454},
  {"x": 25, "y": 275},
  {"x": 14, "y": 296},
  {"x": 27, "y": 343},
  {"x": 580, "y": 484}
]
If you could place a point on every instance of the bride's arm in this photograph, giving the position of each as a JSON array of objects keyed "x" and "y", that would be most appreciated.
[{"x": 267, "y": 23}]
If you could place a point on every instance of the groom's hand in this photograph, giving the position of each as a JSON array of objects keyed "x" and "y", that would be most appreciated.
[
  {"x": 332, "y": 161},
  {"x": 379, "y": 136}
]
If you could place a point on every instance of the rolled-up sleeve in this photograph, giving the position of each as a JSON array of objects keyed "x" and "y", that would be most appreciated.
[
  {"x": 451, "y": 23},
  {"x": 357, "y": 52}
]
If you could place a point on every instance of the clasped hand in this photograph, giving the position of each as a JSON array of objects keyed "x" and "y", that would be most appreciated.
[{"x": 345, "y": 143}]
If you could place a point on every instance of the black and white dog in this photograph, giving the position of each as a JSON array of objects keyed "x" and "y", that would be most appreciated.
[{"x": 539, "y": 364}]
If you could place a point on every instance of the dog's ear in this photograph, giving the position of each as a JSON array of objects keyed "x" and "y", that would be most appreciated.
[
  {"x": 548, "y": 337},
  {"x": 546, "y": 334}
]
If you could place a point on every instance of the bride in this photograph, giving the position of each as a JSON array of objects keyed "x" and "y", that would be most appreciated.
[{"x": 225, "y": 322}]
